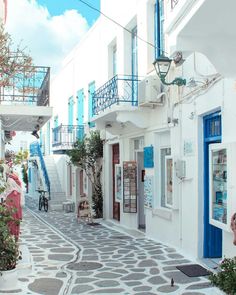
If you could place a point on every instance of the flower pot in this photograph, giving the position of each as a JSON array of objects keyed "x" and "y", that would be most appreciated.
[{"x": 8, "y": 279}]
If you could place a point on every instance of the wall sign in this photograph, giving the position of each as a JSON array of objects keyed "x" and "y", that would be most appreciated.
[
  {"x": 118, "y": 183},
  {"x": 148, "y": 191},
  {"x": 148, "y": 157},
  {"x": 130, "y": 187}
]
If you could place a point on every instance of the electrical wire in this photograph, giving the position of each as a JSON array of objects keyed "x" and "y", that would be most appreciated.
[{"x": 118, "y": 24}]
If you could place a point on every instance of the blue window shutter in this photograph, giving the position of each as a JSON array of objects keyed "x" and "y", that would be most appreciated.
[
  {"x": 91, "y": 92},
  {"x": 80, "y": 107}
]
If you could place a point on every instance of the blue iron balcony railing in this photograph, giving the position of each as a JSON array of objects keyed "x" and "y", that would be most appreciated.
[
  {"x": 65, "y": 136},
  {"x": 118, "y": 90},
  {"x": 174, "y": 3},
  {"x": 30, "y": 87},
  {"x": 35, "y": 150}
]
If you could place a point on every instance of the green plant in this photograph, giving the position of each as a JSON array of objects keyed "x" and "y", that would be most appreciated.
[
  {"x": 225, "y": 279},
  {"x": 9, "y": 250},
  {"x": 87, "y": 154}
]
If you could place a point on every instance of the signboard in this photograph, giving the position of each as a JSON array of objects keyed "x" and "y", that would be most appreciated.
[
  {"x": 148, "y": 191},
  {"x": 130, "y": 187},
  {"x": 148, "y": 157}
]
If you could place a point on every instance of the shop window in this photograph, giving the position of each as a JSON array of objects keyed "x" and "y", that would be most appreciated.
[{"x": 164, "y": 152}]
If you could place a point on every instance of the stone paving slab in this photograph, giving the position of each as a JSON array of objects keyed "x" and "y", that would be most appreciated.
[{"x": 71, "y": 257}]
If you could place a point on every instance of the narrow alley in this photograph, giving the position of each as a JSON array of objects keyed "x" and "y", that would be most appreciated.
[{"x": 70, "y": 257}]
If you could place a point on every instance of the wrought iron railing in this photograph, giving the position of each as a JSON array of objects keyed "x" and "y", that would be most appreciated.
[
  {"x": 118, "y": 90},
  {"x": 174, "y": 3},
  {"x": 66, "y": 135},
  {"x": 30, "y": 87},
  {"x": 35, "y": 150}
]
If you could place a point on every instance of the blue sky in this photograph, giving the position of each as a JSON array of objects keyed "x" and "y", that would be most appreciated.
[
  {"x": 57, "y": 7},
  {"x": 58, "y": 24}
]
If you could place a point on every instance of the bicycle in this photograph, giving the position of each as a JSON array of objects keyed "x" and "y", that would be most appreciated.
[{"x": 43, "y": 200}]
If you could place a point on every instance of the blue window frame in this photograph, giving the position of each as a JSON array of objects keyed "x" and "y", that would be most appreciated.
[
  {"x": 70, "y": 113},
  {"x": 91, "y": 90},
  {"x": 212, "y": 235},
  {"x": 159, "y": 28},
  {"x": 134, "y": 59}
]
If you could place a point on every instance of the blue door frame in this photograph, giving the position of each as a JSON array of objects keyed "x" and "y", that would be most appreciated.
[{"x": 212, "y": 245}]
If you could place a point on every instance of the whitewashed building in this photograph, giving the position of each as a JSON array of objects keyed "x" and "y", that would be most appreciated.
[{"x": 162, "y": 173}]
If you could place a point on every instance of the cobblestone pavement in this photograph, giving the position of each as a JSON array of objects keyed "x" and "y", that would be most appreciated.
[{"x": 76, "y": 258}]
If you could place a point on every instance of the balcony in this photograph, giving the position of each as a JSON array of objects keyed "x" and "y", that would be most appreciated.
[
  {"x": 115, "y": 105},
  {"x": 120, "y": 90},
  {"x": 64, "y": 137},
  {"x": 205, "y": 26},
  {"x": 24, "y": 99}
]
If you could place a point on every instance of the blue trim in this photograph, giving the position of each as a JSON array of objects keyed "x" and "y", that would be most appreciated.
[
  {"x": 35, "y": 150},
  {"x": 159, "y": 28},
  {"x": 212, "y": 246}
]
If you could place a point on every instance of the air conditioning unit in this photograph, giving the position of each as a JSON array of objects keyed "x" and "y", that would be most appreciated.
[{"x": 149, "y": 90}]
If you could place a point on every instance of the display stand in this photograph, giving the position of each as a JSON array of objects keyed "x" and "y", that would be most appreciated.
[
  {"x": 84, "y": 210},
  {"x": 130, "y": 187}
]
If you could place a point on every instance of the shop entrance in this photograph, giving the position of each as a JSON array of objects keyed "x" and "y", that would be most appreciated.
[
  {"x": 212, "y": 242},
  {"x": 140, "y": 187},
  {"x": 115, "y": 160}
]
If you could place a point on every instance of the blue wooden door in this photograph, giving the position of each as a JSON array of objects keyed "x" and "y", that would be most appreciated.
[{"x": 212, "y": 234}]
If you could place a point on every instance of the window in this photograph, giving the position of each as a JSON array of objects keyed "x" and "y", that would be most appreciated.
[
  {"x": 159, "y": 28},
  {"x": 164, "y": 152}
]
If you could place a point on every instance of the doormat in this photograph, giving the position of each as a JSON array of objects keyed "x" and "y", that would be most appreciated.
[{"x": 193, "y": 270}]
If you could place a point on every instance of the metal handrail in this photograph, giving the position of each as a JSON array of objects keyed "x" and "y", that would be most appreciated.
[
  {"x": 30, "y": 87},
  {"x": 35, "y": 150},
  {"x": 67, "y": 135},
  {"x": 119, "y": 89}
]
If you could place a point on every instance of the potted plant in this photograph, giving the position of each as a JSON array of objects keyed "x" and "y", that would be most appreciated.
[
  {"x": 9, "y": 248},
  {"x": 225, "y": 279}
]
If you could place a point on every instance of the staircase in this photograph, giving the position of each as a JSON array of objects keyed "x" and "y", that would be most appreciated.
[{"x": 57, "y": 195}]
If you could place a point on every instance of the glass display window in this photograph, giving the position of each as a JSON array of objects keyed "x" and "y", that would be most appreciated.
[{"x": 222, "y": 188}]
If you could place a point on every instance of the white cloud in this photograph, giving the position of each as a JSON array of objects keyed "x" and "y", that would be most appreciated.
[{"x": 48, "y": 38}]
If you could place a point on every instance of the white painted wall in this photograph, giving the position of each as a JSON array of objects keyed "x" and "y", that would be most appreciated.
[{"x": 90, "y": 60}]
